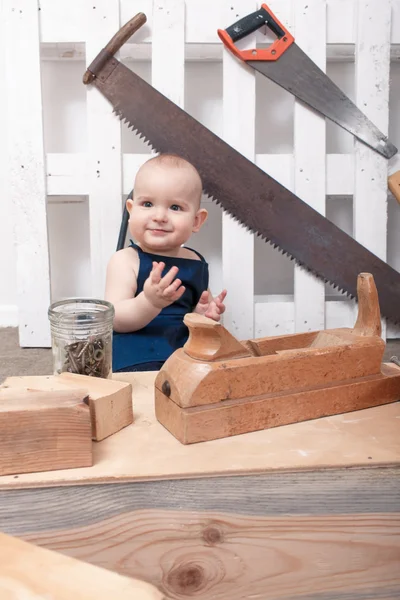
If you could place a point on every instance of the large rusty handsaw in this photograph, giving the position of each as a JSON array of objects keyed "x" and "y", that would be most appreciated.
[
  {"x": 287, "y": 65},
  {"x": 250, "y": 195}
]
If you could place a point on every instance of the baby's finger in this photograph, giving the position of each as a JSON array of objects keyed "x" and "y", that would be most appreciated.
[
  {"x": 172, "y": 288},
  {"x": 178, "y": 293},
  {"x": 204, "y": 297},
  {"x": 169, "y": 277},
  {"x": 221, "y": 297},
  {"x": 156, "y": 271}
]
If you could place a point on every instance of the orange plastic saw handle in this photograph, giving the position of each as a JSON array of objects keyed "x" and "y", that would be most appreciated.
[{"x": 248, "y": 25}]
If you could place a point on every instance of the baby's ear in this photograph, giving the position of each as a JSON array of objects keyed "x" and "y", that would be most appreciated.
[
  {"x": 129, "y": 204},
  {"x": 200, "y": 219}
]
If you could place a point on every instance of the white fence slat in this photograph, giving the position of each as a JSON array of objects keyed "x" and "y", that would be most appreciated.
[
  {"x": 340, "y": 29},
  {"x": 128, "y": 9},
  {"x": 27, "y": 190},
  {"x": 309, "y": 161},
  {"x": 64, "y": 20},
  {"x": 239, "y": 104},
  {"x": 372, "y": 96},
  {"x": 169, "y": 39},
  {"x": 104, "y": 153},
  {"x": 275, "y": 316},
  {"x": 339, "y": 21},
  {"x": 278, "y": 166},
  {"x": 68, "y": 173}
]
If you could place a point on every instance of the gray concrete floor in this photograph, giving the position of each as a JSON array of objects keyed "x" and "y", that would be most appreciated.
[{"x": 38, "y": 361}]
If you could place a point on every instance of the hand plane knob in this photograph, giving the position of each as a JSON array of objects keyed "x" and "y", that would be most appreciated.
[{"x": 209, "y": 340}]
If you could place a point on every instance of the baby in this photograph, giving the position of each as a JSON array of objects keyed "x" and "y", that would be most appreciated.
[{"x": 155, "y": 281}]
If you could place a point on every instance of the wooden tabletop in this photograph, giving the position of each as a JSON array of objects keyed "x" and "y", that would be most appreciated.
[
  {"x": 145, "y": 450},
  {"x": 28, "y": 572}
]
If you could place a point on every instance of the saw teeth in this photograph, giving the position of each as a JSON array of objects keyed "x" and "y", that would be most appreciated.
[{"x": 236, "y": 219}]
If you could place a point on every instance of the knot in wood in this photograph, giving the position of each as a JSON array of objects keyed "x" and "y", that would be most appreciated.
[
  {"x": 213, "y": 535},
  {"x": 166, "y": 388},
  {"x": 186, "y": 579}
]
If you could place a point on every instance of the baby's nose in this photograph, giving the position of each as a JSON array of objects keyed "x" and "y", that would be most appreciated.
[{"x": 160, "y": 214}]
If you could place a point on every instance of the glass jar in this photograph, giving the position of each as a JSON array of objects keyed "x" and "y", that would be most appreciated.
[{"x": 81, "y": 336}]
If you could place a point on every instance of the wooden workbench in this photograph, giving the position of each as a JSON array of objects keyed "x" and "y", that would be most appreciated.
[
  {"x": 28, "y": 572},
  {"x": 307, "y": 510}
]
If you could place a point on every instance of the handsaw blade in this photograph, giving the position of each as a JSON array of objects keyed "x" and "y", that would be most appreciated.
[
  {"x": 287, "y": 65},
  {"x": 296, "y": 73},
  {"x": 247, "y": 193}
]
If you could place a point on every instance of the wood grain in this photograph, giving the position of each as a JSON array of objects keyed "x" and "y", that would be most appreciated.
[
  {"x": 370, "y": 437},
  {"x": 31, "y": 573},
  {"x": 233, "y": 417},
  {"x": 42, "y": 431},
  {"x": 209, "y": 340},
  {"x": 323, "y": 535},
  {"x": 188, "y": 554},
  {"x": 110, "y": 401},
  {"x": 196, "y": 383}
]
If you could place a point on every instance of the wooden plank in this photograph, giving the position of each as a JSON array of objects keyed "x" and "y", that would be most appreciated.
[
  {"x": 341, "y": 18},
  {"x": 110, "y": 402},
  {"x": 372, "y": 96},
  {"x": 68, "y": 173},
  {"x": 309, "y": 162},
  {"x": 44, "y": 431},
  {"x": 65, "y": 20},
  {"x": 327, "y": 535},
  {"x": 8, "y": 308},
  {"x": 27, "y": 571},
  {"x": 27, "y": 182},
  {"x": 274, "y": 317},
  {"x": 239, "y": 106},
  {"x": 104, "y": 153},
  {"x": 133, "y": 52},
  {"x": 168, "y": 32},
  {"x": 339, "y": 441},
  {"x": 236, "y": 417}
]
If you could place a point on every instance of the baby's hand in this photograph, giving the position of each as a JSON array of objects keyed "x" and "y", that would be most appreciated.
[
  {"x": 211, "y": 308},
  {"x": 162, "y": 291}
]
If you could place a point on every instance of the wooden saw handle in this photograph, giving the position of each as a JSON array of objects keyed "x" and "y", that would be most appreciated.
[
  {"x": 394, "y": 185},
  {"x": 114, "y": 45}
]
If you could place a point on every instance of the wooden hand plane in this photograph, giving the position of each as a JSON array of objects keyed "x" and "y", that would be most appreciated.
[{"x": 217, "y": 386}]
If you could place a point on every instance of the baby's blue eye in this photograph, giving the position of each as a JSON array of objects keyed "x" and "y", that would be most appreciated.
[
  {"x": 175, "y": 207},
  {"x": 147, "y": 204}
]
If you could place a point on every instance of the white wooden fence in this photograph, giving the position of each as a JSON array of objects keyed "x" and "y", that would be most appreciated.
[{"x": 362, "y": 30}]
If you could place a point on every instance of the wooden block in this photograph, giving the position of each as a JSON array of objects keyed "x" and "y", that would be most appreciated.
[
  {"x": 44, "y": 431},
  {"x": 110, "y": 402},
  {"x": 233, "y": 417},
  {"x": 28, "y": 572}
]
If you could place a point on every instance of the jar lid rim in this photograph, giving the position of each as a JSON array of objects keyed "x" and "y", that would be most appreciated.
[{"x": 104, "y": 304}]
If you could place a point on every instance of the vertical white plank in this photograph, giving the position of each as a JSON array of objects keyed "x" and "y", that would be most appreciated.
[
  {"x": 104, "y": 150},
  {"x": 239, "y": 104},
  {"x": 309, "y": 160},
  {"x": 168, "y": 38},
  {"x": 372, "y": 64},
  {"x": 26, "y": 164}
]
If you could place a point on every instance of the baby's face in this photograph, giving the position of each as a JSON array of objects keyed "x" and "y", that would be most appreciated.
[{"x": 165, "y": 208}]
